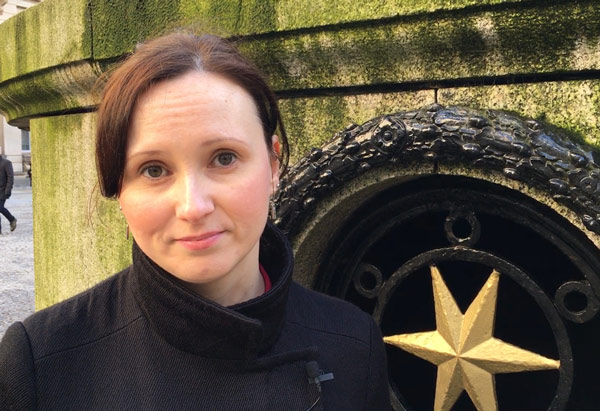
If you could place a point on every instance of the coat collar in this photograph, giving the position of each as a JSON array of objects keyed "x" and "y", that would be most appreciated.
[{"x": 194, "y": 324}]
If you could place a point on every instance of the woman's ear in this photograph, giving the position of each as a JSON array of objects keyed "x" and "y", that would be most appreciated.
[{"x": 275, "y": 155}]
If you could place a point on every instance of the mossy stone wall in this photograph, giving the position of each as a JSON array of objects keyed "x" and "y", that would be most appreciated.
[
  {"x": 79, "y": 237},
  {"x": 332, "y": 63}
]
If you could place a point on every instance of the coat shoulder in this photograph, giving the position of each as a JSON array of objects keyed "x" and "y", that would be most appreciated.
[
  {"x": 323, "y": 313},
  {"x": 350, "y": 347},
  {"x": 83, "y": 318}
]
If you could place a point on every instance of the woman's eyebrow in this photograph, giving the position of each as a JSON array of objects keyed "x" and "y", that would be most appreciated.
[
  {"x": 145, "y": 153},
  {"x": 209, "y": 142},
  {"x": 218, "y": 140}
]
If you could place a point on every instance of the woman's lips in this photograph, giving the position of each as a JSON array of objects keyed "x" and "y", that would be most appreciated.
[{"x": 200, "y": 242}]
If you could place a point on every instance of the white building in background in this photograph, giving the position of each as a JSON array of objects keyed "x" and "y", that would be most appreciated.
[
  {"x": 9, "y": 8},
  {"x": 14, "y": 142}
]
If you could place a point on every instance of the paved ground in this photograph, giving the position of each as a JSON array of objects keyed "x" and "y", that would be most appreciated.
[{"x": 16, "y": 258}]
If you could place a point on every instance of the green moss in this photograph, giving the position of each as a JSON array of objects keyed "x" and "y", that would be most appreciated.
[
  {"x": 52, "y": 33},
  {"x": 257, "y": 16},
  {"x": 427, "y": 46},
  {"x": 118, "y": 26},
  {"x": 522, "y": 36},
  {"x": 424, "y": 48},
  {"x": 293, "y": 14},
  {"x": 216, "y": 17},
  {"x": 434, "y": 47},
  {"x": 118, "y": 33},
  {"x": 74, "y": 246}
]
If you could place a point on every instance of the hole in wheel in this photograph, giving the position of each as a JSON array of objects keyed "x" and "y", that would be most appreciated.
[
  {"x": 575, "y": 301},
  {"x": 368, "y": 281},
  {"x": 462, "y": 228}
]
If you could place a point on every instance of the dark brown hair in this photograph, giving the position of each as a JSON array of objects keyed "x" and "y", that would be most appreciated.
[{"x": 163, "y": 58}]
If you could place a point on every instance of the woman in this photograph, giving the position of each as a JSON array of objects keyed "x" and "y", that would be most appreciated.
[{"x": 207, "y": 317}]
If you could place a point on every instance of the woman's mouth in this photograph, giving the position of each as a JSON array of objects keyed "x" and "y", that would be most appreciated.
[{"x": 200, "y": 242}]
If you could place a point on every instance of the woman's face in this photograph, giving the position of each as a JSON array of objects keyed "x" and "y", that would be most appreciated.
[{"x": 197, "y": 181}]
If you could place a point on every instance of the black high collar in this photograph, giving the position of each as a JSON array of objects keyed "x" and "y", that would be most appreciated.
[{"x": 197, "y": 325}]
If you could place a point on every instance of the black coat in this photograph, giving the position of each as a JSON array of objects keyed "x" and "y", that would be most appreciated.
[
  {"x": 6, "y": 178},
  {"x": 141, "y": 341}
]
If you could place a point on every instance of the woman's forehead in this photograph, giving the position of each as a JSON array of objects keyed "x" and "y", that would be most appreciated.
[
  {"x": 201, "y": 105},
  {"x": 194, "y": 89}
]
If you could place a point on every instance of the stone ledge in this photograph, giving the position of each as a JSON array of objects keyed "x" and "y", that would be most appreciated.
[
  {"x": 64, "y": 88},
  {"x": 475, "y": 45},
  {"x": 50, "y": 34},
  {"x": 479, "y": 43},
  {"x": 117, "y": 34}
]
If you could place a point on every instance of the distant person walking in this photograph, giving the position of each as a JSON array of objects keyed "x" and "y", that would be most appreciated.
[{"x": 6, "y": 184}]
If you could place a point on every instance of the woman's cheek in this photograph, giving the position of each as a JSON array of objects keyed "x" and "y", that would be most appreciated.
[
  {"x": 247, "y": 202},
  {"x": 144, "y": 212},
  {"x": 257, "y": 191}
]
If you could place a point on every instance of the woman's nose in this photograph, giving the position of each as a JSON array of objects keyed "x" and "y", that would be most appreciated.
[{"x": 194, "y": 200}]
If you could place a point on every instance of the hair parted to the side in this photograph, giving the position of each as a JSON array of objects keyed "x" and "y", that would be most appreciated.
[{"x": 164, "y": 58}]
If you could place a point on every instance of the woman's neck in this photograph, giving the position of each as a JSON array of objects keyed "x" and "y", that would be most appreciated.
[
  {"x": 243, "y": 283},
  {"x": 231, "y": 294}
]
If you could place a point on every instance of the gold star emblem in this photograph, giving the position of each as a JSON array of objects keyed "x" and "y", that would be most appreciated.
[{"x": 464, "y": 349}]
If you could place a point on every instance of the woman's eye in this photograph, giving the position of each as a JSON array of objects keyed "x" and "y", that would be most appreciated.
[
  {"x": 153, "y": 171},
  {"x": 225, "y": 159}
]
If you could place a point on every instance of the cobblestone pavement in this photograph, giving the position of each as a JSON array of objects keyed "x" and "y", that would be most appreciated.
[{"x": 16, "y": 258}]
